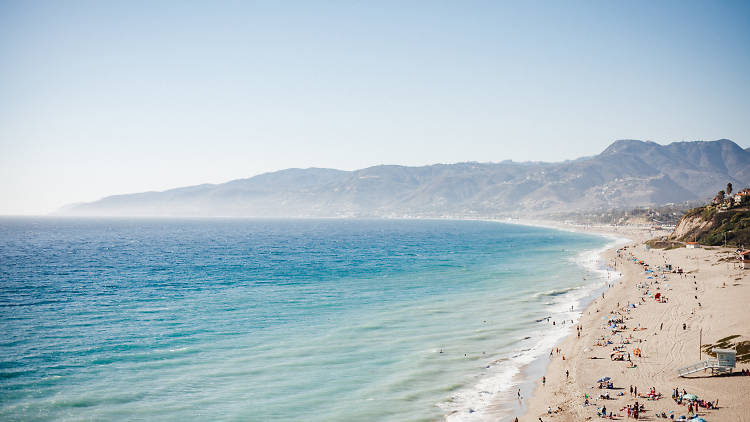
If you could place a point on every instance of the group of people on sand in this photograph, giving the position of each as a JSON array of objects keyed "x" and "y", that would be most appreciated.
[
  {"x": 619, "y": 352},
  {"x": 635, "y": 410},
  {"x": 692, "y": 402},
  {"x": 620, "y": 337}
]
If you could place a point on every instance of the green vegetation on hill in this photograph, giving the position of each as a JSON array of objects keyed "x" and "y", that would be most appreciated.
[
  {"x": 732, "y": 225},
  {"x": 736, "y": 225},
  {"x": 742, "y": 347},
  {"x": 725, "y": 221}
]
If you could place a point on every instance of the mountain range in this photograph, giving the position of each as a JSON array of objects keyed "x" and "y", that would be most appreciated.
[{"x": 627, "y": 173}]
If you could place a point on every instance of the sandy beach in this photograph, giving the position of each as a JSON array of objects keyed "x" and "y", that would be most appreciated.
[{"x": 706, "y": 303}]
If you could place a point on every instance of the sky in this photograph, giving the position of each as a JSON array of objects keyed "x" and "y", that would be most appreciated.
[{"x": 101, "y": 98}]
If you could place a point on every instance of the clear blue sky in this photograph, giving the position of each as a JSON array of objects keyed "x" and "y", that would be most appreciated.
[{"x": 100, "y": 98}]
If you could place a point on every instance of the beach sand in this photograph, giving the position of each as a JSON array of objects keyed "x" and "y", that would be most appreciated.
[{"x": 723, "y": 291}]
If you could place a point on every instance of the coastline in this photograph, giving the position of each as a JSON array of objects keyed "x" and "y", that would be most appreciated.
[
  {"x": 565, "y": 393},
  {"x": 530, "y": 362},
  {"x": 508, "y": 405},
  {"x": 505, "y": 405}
]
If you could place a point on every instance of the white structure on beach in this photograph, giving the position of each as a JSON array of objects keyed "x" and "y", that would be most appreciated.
[
  {"x": 724, "y": 362},
  {"x": 692, "y": 245},
  {"x": 745, "y": 259}
]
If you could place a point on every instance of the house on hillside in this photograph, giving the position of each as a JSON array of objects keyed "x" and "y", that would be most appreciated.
[
  {"x": 741, "y": 194},
  {"x": 692, "y": 245}
]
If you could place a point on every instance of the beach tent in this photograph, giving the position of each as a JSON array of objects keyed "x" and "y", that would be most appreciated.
[
  {"x": 603, "y": 379},
  {"x": 690, "y": 397}
]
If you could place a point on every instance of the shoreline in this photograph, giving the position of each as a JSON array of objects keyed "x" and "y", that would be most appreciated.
[
  {"x": 565, "y": 394},
  {"x": 504, "y": 405},
  {"x": 508, "y": 406}
]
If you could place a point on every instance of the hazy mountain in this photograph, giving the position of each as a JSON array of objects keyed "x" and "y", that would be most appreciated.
[{"x": 627, "y": 173}]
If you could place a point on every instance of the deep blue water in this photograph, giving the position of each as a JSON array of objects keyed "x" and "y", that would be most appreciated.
[{"x": 231, "y": 319}]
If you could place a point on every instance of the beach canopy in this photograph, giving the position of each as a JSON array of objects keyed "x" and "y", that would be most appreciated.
[
  {"x": 690, "y": 397},
  {"x": 604, "y": 379}
]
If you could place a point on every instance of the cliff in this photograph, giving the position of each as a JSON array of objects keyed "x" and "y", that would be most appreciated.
[{"x": 709, "y": 226}]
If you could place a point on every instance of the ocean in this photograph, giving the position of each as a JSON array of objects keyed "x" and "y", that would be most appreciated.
[{"x": 281, "y": 320}]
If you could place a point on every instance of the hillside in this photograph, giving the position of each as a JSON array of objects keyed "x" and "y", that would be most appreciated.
[
  {"x": 709, "y": 226},
  {"x": 627, "y": 173}
]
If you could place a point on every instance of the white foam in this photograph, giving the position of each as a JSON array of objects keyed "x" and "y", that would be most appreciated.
[{"x": 474, "y": 403}]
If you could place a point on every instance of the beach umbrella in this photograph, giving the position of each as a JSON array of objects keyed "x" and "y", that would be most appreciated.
[
  {"x": 697, "y": 419},
  {"x": 690, "y": 397},
  {"x": 605, "y": 379}
]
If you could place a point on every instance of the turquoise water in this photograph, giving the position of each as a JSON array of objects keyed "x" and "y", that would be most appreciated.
[{"x": 271, "y": 320}]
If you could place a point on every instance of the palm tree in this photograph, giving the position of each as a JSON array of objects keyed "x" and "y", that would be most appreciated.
[{"x": 729, "y": 189}]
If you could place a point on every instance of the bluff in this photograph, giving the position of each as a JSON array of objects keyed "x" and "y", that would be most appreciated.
[
  {"x": 627, "y": 173},
  {"x": 711, "y": 226}
]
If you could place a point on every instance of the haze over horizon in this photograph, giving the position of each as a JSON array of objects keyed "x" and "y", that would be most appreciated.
[{"x": 102, "y": 99}]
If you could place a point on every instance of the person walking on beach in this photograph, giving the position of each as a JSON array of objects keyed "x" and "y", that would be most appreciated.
[
  {"x": 544, "y": 380},
  {"x": 631, "y": 391},
  {"x": 519, "y": 395}
]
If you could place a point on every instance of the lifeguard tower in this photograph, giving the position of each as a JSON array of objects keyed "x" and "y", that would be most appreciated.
[
  {"x": 723, "y": 363},
  {"x": 745, "y": 259}
]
